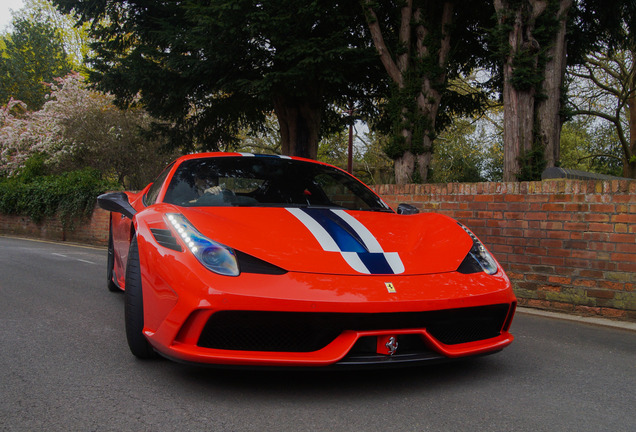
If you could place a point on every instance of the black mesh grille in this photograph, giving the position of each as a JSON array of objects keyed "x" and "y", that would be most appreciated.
[{"x": 306, "y": 332}]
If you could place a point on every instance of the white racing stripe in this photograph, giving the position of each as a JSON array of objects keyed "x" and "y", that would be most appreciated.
[
  {"x": 356, "y": 260},
  {"x": 326, "y": 241},
  {"x": 393, "y": 258},
  {"x": 256, "y": 155}
]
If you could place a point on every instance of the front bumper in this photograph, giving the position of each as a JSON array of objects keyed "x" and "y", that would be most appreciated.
[
  {"x": 192, "y": 315},
  {"x": 481, "y": 333}
]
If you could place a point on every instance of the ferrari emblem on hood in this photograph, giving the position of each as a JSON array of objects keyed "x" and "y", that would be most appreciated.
[
  {"x": 389, "y": 287},
  {"x": 338, "y": 231}
]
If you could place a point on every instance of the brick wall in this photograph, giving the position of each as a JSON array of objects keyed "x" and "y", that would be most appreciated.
[
  {"x": 566, "y": 245},
  {"x": 93, "y": 230}
]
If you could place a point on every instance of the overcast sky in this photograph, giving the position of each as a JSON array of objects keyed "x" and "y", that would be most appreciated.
[{"x": 5, "y": 14}]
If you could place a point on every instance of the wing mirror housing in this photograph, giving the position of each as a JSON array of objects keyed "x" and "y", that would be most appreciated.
[
  {"x": 116, "y": 202},
  {"x": 407, "y": 209}
]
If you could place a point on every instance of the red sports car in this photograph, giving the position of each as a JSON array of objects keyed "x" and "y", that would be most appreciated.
[{"x": 242, "y": 259}]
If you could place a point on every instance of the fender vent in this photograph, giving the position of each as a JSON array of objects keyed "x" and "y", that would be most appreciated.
[
  {"x": 165, "y": 238},
  {"x": 250, "y": 264}
]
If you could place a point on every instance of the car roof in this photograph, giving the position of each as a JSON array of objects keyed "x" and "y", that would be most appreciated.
[{"x": 245, "y": 154}]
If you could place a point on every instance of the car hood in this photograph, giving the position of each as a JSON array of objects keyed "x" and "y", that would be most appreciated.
[{"x": 330, "y": 241}]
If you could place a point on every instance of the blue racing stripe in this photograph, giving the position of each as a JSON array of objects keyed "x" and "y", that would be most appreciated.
[
  {"x": 345, "y": 237},
  {"x": 376, "y": 263},
  {"x": 348, "y": 240}
]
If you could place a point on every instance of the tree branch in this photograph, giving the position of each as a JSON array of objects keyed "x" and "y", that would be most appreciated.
[
  {"x": 380, "y": 45},
  {"x": 592, "y": 77},
  {"x": 614, "y": 120},
  {"x": 421, "y": 33},
  {"x": 599, "y": 155},
  {"x": 447, "y": 17},
  {"x": 405, "y": 35},
  {"x": 593, "y": 113}
]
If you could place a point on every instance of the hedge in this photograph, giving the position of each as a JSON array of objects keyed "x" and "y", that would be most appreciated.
[{"x": 70, "y": 195}]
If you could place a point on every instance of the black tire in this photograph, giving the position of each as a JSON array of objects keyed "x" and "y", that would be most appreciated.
[
  {"x": 112, "y": 286},
  {"x": 134, "y": 307}
]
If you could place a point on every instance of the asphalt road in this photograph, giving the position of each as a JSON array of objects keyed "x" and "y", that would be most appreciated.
[{"x": 65, "y": 366}]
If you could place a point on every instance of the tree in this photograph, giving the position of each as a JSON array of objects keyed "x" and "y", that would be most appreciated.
[
  {"x": 423, "y": 44},
  {"x": 590, "y": 145},
  {"x": 532, "y": 46},
  {"x": 460, "y": 154},
  {"x": 74, "y": 39},
  {"x": 607, "y": 90},
  {"x": 81, "y": 128},
  {"x": 16, "y": 138},
  {"x": 536, "y": 40},
  {"x": 213, "y": 68},
  {"x": 97, "y": 134},
  {"x": 264, "y": 141},
  {"x": 374, "y": 166},
  {"x": 34, "y": 56},
  {"x": 370, "y": 164},
  {"x": 605, "y": 85}
]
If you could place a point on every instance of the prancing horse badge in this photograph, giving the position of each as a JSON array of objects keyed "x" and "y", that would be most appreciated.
[{"x": 389, "y": 287}]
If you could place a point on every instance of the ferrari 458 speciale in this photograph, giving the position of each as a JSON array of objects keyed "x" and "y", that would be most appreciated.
[{"x": 243, "y": 259}]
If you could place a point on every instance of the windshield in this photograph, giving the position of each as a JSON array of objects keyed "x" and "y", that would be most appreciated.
[{"x": 267, "y": 182}]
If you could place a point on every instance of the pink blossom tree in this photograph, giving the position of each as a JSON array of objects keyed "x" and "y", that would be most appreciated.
[{"x": 80, "y": 127}]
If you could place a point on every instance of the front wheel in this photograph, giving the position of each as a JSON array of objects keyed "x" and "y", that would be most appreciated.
[{"x": 134, "y": 307}]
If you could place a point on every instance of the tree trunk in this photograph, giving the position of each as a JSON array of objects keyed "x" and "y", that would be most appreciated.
[
  {"x": 404, "y": 167},
  {"x": 413, "y": 36},
  {"x": 518, "y": 104},
  {"x": 410, "y": 164},
  {"x": 518, "y": 125},
  {"x": 519, "y": 101},
  {"x": 423, "y": 164},
  {"x": 549, "y": 119},
  {"x": 299, "y": 123},
  {"x": 629, "y": 166}
]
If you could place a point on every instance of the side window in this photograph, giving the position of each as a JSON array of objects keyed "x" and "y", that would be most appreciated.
[{"x": 153, "y": 192}]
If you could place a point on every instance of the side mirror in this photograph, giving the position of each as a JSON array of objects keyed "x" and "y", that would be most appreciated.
[
  {"x": 407, "y": 209},
  {"x": 116, "y": 202}
]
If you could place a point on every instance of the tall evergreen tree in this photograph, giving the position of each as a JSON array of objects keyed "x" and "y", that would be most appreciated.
[{"x": 214, "y": 67}]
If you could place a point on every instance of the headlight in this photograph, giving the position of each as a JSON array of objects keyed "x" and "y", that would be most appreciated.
[
  {"x": 214, "y": 256},
  {"x": 478, "y": 258}
]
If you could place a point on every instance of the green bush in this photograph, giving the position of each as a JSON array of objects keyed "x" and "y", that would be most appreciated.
[{"x": 70, "y": 196}]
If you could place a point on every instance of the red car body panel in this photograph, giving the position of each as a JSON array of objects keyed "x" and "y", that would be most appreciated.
[{"x": 180, "y": 295}]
